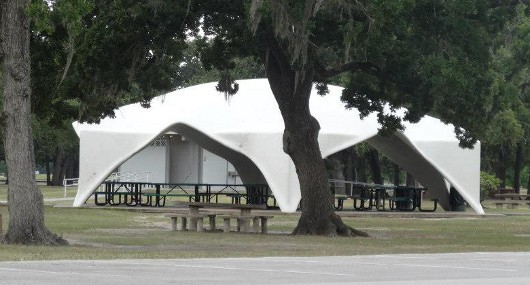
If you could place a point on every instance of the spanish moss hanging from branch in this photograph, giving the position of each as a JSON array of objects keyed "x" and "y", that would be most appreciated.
[{"x": 227, "y": 85}]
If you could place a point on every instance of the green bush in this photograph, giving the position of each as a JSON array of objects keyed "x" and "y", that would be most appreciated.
[{"x": 488, "y": 185}]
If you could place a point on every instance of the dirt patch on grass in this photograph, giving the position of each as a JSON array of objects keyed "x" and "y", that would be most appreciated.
[{"x": 147, "y": 221}]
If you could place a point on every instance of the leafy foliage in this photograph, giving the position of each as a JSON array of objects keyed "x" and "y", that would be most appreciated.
[
  {"x": 488, "y": 185},
  {"x": 430, "y": 57},
  {"x": 109, "y": 54},
  {"x": 191, "y": 71},
  {"x": 504, "y": 129},
  {"x": 509, "y": 127}
]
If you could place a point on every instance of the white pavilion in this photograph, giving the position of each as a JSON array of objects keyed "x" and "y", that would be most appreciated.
[{"x": 247, "y": 130}]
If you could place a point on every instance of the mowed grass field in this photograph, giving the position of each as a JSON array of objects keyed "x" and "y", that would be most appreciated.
[{"x": 112, "y": 233}]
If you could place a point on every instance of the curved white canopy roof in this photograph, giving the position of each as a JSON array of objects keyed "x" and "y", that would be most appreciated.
[{"x": 248, "y": 131}]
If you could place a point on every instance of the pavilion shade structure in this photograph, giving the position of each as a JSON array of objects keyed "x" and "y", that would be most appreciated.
[{"x": 247, "y": 131}]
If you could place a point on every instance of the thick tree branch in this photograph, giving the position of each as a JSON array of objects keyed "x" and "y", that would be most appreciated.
[
  {"x": 368, "y": 67},
  {"x": 70, "y": 56}
]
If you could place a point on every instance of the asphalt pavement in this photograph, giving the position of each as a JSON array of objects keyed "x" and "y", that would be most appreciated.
[{"x": 431, "y": 269}]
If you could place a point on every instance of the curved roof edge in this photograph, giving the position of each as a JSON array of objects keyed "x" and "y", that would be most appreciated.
[{"x": 452, "y": 177}]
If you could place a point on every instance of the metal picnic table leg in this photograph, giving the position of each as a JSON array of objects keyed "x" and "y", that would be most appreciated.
[
  {"x": 108, "y": 192},
  {"x": 138, "y": 193},
  {"x": 417, "y": 199},
  {"x": 197, "y": 196},
  {"x": 157, "y": 198},
  {"x": 208, "y": 192},
  {"x": 380, "y": 199}
]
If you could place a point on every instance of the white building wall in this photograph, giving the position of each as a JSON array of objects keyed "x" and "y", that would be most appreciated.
[
  {"x": 215, "y": 169},
  {"x": 151, "y": 159},
  {"x": 183, "y": 161},
  {"x": 232, "y": 175}
]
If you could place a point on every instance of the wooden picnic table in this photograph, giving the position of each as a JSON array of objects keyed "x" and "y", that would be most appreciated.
[
  {"x": 505, "y": 191},
  {"x": 245, "y": 210},
  {"x": 510, "y": 200},
  {"x": 512, "y": 196}
]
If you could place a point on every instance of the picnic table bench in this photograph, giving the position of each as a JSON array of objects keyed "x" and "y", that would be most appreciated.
[
  {"x": 116, "y": 198},
  {"x": 509, "y": 205},
  {"x": 512, "y": 196},
  {"x": 510, "y": 200},
  {"x": 161, "y": 201},
  {"x": 259, "y": 223},
  {"x": 197, "y": 224}
]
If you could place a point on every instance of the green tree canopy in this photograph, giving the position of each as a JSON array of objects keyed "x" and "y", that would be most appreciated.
[
  {"x": 432, "y": 57},
  {"x": 94, "y": 58}
]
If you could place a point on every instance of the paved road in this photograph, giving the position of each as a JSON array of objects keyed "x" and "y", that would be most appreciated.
[{"x": 431, "y": 269}]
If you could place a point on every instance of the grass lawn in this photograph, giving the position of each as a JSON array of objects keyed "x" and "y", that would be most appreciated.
[
  {"x": 102, "y": 233},
  {"x": 48, "y": 192}
]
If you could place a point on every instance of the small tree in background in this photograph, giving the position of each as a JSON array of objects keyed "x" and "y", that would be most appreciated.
[{"x": 488, "y": 185}]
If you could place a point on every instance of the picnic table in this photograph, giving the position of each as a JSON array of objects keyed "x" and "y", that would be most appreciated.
[
  {"x": 510, "y": 200},
  {"x": 505, "y": 191},
  {"x": 127, "y": 193},
  {"x": 155, "y": 194},
  {"x": 244, "y": 209},
  {"x": 512, "y": 196},
  {"x": 243, "y": 217},
  {"x": 367, "y": 196}
]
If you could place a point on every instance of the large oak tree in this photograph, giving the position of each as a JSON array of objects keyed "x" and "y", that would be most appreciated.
[
  {"x": 429, "y": 56},
  {"x": 26, "y": 206},
  {"x": 88, "y": 58}
]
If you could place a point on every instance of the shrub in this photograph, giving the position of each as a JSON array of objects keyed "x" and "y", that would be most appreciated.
[{"x": 488, "y": 185}]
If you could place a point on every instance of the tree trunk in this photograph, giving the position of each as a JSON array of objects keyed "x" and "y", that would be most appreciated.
[
  {"x": 349, "y": 166},
  {"x": 396, "y": 174},
  {"x": 334, "y": 166},
  {"x": 26, "y": 206},
  {"x": 517, "y": 167},
  {"x": 58, "y": 162},
  {"x": 68, "y": 168},
  {"x": 300, "y": 141},
  {"x": 64, "y": 168},
  {"x": 48, "y": 174},
  {"x": 501, "y": 168},
  {"x": 75, "y": 165},
  {"x": 360, "y": 166},
  {"x": 528, "y": 187},
  {"x": 375, "y": 166}
]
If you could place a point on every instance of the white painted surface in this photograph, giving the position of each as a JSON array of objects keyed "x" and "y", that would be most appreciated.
[
  {"x": 183, "y": 161},
  {"x": 215, "y": 169},
  {"x": 151, "y": 159}
]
